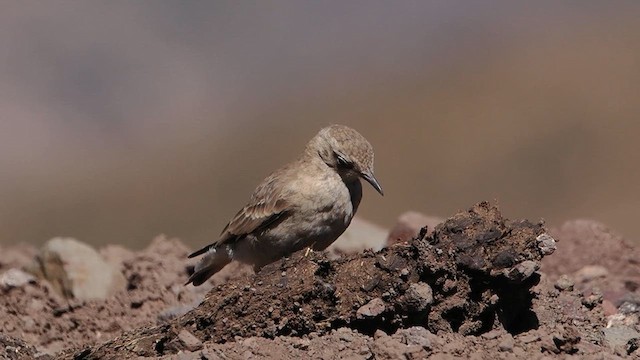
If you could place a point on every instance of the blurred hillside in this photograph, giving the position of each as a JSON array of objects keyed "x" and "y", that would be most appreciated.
[{"x": 120, "y": 121}]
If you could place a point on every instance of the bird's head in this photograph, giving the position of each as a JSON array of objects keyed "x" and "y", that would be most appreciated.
[{"x": 345, "y": 150}]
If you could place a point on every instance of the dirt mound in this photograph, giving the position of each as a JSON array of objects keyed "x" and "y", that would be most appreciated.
[{"x": 472, "y": 287}]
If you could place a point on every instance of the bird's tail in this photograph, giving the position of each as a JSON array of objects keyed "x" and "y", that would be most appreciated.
[{"x": 211, "y": 263}]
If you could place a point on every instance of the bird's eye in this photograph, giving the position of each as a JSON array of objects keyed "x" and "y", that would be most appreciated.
[{"x": 342, "y": 162}]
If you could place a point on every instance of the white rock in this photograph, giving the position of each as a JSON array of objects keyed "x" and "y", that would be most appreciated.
[
  {"x": 546, "y": 244},
  {"x": 77, "y": 270},
  {"x": 13, "y": 278},
  {"x": 360, "y": 235}
]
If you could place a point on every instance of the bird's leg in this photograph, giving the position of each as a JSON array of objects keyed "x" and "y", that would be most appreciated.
[{"x": 308, "y": 251}]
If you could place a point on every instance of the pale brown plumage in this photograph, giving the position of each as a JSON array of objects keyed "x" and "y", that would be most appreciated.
[
  {"x": 307, "y": 203},
  {"x": 266, "y": 206}
]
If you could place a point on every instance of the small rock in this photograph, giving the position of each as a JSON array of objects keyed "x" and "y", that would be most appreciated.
[
  {"x": 619, "y": 335},
  {"x": 506, "y": 345},
  {"x": 76, "y": 270},
  {"x": 419, "y": 297},
  {"x": 522, "y": 271},
  {"x": 415, "y": 335},
  {"x": 372, "y": 309},
  {"x": 628, "y": 307},
  {"x": 13, "y": 278},
  {"x": 191, "y": 343},
  {"x": 546, "y": 244},
  {"x": 564, "y": 283}
]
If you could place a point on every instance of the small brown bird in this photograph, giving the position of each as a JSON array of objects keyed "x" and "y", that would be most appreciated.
[{"x": 308, "y": 203}]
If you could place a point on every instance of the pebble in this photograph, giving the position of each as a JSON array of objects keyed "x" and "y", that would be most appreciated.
[
  {"x": 523, "y": 270},
  {"x": 564, "y": 283},
  {"x": 506, "y": 345},
  {"x": 372, "y": 309},
  {"x": 419, "y": 296},
  {"x": 14, "y": 278},
  {"x": 546, "y": 244},
  {"x": 189, "y": 340}
]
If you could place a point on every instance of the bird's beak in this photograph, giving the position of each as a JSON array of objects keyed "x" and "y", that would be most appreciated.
[{"x": 372, "y": 180}]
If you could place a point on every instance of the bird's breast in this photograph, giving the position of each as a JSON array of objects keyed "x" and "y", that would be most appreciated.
[{"x": 327, "y": 194}]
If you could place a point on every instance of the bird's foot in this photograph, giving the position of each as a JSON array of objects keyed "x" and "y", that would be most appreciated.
[{"x": 307, "y": 252}]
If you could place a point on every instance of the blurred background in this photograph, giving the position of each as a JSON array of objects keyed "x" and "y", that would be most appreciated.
[{"x": 123, "y": 120}]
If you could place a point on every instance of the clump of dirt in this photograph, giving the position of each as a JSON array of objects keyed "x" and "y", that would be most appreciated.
[
  {"x": 471, "y": 287},
  {"x": 474, "y": 273}
]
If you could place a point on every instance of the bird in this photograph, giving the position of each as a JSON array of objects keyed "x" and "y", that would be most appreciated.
[{"x": 307, "y": 203}]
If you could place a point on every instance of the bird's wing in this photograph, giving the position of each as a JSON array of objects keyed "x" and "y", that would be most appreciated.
[{"x": 267, "y": 205}]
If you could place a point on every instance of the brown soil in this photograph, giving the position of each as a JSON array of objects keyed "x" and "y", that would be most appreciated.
[{"x": 475, "y": 287}]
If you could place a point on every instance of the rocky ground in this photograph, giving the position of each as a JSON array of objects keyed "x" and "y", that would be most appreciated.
[{"x": 477, "y": 286}]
